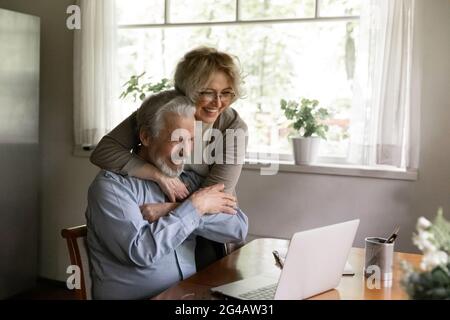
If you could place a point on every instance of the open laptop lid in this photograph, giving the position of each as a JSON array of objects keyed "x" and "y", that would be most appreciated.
[{"x": 315, "y": 260}]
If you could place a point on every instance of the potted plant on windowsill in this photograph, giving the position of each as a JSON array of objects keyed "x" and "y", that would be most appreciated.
[
  {"x": 136, "y": 89},
  {"x": 308, "y": 124}
]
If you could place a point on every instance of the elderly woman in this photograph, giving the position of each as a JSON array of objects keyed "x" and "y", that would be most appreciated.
[{"x": 211, "y": 79}]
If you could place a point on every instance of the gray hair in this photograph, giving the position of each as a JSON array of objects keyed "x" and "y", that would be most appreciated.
[{"x": 151, "y": 114}]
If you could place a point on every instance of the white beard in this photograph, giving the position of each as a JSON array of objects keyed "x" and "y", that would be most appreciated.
[{"x": 168, "y": 171}]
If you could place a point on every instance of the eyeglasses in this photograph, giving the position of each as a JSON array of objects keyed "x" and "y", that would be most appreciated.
[{"x": 225, "y": 97}]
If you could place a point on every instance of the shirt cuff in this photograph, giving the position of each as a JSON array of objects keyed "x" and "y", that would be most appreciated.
[{"x": 188, "y": 215}]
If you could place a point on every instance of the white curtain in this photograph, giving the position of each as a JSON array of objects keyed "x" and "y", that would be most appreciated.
[
  {"x": 94, "y": 71},
  {"x": 385, "y": 126}
]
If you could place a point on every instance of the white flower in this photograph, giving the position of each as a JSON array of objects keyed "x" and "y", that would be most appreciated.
[
  {"x": 424, "y": 241},
  {"x": 423, "y": 224},
  {"x": 433, "y": 259}
]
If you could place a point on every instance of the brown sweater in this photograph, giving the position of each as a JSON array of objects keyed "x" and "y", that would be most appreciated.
[{"x": 114, "y": 151}]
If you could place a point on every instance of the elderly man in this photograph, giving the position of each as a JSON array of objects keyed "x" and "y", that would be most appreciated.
[{"x": 133, "y": 258}]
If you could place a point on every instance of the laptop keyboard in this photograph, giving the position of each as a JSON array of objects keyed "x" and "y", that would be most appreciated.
[{"x": 263, "y": 293}]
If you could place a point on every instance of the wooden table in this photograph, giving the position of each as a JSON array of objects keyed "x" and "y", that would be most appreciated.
[{"x": 256, "y": 257}]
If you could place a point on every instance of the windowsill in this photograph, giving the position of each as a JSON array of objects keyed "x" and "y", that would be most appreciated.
[{"x": 381, "y": 172}]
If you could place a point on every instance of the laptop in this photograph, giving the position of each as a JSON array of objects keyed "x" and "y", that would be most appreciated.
[{"x": 314, "y": 263}]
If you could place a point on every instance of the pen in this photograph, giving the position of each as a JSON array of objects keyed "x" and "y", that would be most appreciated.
[
  {"x": 278, "y": 260},
  {"x": 393, "y": 236}
]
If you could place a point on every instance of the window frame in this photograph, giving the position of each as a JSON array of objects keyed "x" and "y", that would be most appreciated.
[{"x": 238, "y": 19}]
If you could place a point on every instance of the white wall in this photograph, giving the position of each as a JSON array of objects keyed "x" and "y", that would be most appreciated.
[{"x": 291, "y": 201}]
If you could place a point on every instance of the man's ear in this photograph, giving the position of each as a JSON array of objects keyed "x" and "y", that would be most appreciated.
[{"x": 144, "y": 137}]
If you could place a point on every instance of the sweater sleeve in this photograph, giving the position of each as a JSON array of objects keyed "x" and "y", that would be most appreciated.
[
  {"x": 229, "y": 160},
  {"x": 114, "y": 151}
]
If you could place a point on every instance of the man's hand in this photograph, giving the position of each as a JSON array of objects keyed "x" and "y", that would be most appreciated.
[
  {"x": 173, "y": 188},
  {"x": 153, "y": 211},
  {"x": 213, "y": 200}
]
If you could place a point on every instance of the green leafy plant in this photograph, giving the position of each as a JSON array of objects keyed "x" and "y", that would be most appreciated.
[
  {"x": 434, "y": 284},
  {"x": 136, "y": 89},
  {"x": 308, "y": 117},
  {"x": 433, "y": 280}
]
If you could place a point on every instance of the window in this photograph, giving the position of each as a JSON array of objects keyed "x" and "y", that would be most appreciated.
[
  {"x": 287, "y": 48},
  {"x": 360, "y": 59}
]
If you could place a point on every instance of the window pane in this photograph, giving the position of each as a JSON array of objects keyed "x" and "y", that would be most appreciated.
[
  {"x": 276, "y": 9},
  {"x": 140, "y": 11},
  {"x": 290, "y": 61},
  {"x": 335, "y": 8},
  {"x": 202, "y": 10}
]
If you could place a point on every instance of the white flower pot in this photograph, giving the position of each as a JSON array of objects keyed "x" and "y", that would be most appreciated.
[{"x": 306, "y": 150}]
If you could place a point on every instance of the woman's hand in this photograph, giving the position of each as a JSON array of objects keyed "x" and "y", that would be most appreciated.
[
  {"x": 173, "y": 188},
  {"x": 212, "y": 200},
  {"x": 153, "y": 211}
]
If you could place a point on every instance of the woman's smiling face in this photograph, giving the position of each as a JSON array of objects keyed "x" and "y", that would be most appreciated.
[{"x": 214, "y": 98}]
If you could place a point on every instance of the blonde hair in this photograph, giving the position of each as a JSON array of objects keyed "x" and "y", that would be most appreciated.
[{"x": 196, "y": 68}]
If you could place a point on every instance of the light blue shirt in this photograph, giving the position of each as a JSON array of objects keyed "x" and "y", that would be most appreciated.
[{"x": 134, "y": 259}]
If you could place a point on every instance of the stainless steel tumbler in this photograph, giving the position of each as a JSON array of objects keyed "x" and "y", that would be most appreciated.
[{"x": 379, "y": 258}]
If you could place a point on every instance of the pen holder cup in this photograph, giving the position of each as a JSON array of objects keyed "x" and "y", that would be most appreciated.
[{"x": 379, "y": 258}]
